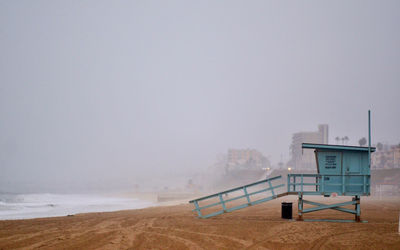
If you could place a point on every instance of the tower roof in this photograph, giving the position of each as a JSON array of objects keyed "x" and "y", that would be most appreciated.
[{"x": 336, "y": 147}]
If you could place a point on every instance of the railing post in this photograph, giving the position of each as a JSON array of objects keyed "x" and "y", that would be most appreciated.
[
  {"x": 288, "y": 182},
  {"x": 302, "y": 183},
  {"x": 196, "y": 204},
  {"x": 222, "y": 202},
  {"x": 272, "y": 189},
  {"x": 322, "y": 190},
  {"x": 247, "y": 195},
  {"x": 294, "y": 183}
]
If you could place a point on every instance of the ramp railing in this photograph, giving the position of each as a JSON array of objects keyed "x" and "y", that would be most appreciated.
[{"x": 224, "y": 197}]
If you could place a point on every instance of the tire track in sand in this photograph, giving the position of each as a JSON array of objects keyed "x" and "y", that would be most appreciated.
[
  {"x": 323, "y": 240},
  {"x": 237, "y": 240},
  {"x": 130, "y": 234}
]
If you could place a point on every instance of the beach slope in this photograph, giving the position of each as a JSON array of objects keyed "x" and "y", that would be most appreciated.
[{"x": 177, "y": 227}]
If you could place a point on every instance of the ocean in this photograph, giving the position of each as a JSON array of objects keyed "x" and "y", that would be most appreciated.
[{"x": 27, "y": 206}]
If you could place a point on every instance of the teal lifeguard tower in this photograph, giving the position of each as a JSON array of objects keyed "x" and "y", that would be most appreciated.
[{"x": 341, "y": 171}]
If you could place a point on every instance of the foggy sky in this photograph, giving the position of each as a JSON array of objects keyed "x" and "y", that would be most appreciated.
[{"x": 121, "y": 91}]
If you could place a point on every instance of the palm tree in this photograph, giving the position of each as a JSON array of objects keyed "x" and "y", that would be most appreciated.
[
  {"x": 362, "y": 141},
  {"x": 337, "y": 139},
  {"x": 346, "y": 139}
]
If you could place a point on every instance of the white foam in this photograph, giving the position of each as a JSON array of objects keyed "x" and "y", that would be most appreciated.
[{"x": 25, "y": 206}]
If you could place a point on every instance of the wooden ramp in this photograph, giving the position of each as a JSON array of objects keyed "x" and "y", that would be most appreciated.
[{"x": 221, "y": 201}]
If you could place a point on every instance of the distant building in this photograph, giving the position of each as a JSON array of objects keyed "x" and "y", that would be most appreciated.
[
  {"x": 246, "y": 159},
  {"x": 386, "y": 158},
  {"x": 306, "y": 160},
  {"x": 385, "y": 181}
]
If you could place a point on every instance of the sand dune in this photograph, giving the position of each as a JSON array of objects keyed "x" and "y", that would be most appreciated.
[{"x": 176, "y": 227}]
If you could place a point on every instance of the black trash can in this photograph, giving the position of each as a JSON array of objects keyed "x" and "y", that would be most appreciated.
[{"x": 286, "y": 210}]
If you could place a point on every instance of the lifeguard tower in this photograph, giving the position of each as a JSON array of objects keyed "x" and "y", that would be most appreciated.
[{"x": 341, "y": 171}]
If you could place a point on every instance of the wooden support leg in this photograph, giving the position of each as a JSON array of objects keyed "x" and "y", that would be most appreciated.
[
  {"x": 358, "y": 209},
  {"x": 300, "y": 207},
  {"x": 196, "y": 204}
]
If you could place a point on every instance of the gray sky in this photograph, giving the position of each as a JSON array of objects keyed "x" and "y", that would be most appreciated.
[{"x": 121, "y": 90}]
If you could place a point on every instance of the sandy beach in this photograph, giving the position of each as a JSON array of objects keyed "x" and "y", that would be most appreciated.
[{"x": 177, "y": 227}]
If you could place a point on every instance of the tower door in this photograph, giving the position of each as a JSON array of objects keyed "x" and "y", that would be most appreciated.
[
  {"x": 330, "y": 164},
  {"x": 352, "y": 168}
]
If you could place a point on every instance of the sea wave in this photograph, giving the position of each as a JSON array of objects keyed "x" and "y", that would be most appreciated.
[{"x": 25, "y": 206}]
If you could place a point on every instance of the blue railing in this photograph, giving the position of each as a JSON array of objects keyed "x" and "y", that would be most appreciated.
[
  {"x": 326, "y": 184},
  {"x": 246, "y": 194}
]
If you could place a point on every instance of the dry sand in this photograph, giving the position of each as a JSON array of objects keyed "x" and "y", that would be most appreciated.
[{"x": 177, "y": 227}]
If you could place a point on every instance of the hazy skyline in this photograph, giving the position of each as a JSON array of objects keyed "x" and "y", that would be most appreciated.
[{"x": 125, "y": 90}]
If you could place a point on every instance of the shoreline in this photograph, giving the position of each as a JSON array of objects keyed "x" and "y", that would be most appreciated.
[{"x": 51, "y": 205}]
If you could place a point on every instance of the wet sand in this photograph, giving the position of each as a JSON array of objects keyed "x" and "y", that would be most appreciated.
[{"x": 177, "y": 227}]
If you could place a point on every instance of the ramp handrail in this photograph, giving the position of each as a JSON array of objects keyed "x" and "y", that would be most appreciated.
[{"x": 246, "y": 195}]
